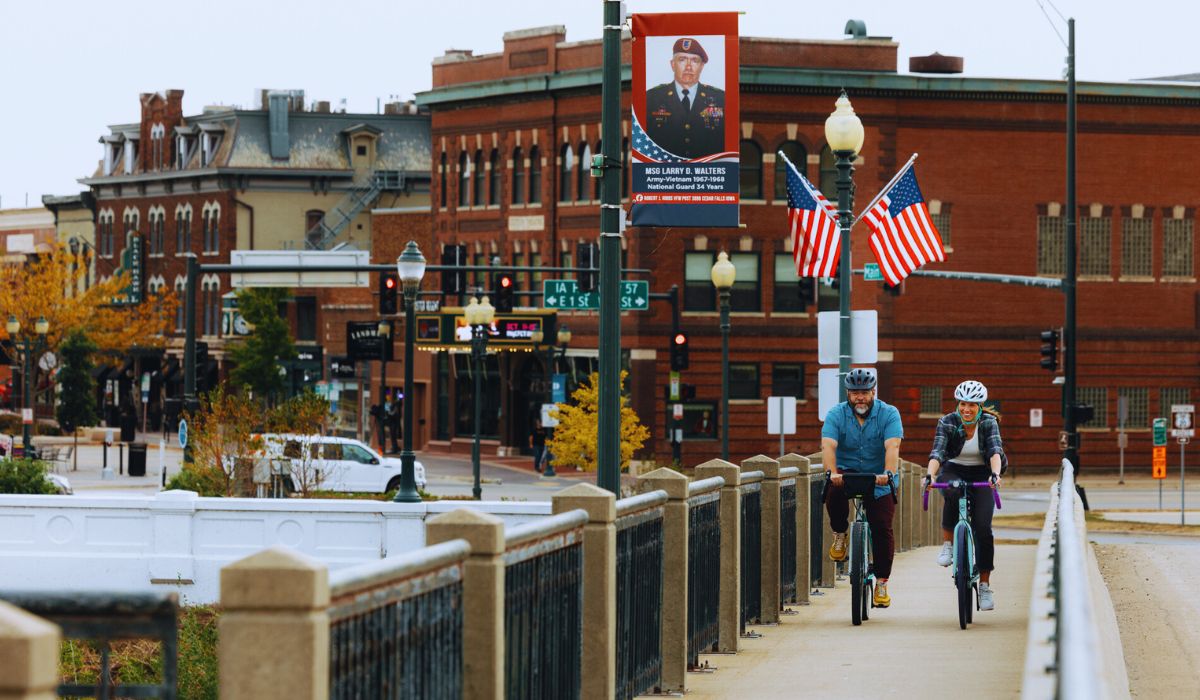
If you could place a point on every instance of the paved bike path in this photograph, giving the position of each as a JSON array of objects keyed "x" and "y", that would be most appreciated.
[{"x": 907, "y": 650}]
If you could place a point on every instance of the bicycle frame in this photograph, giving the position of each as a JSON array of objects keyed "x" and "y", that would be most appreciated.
[{"x": 964, "y": 534}]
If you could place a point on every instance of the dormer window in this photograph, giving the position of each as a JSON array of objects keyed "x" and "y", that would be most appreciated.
[
  {"x": 112, "y": 153},
  {"x": 185, "y": 145},
  {"x": 210, "y": 141}
]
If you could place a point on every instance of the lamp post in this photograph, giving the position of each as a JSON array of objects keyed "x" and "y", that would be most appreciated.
[
  {"x": 844, "y": 132},
  {"x": 723, "y": 276},
  {"x": 411, "y": 265},
  {"x": 385, "y": 332},
  {"x": 27, "y": 347},
  {"x": 479, "y": 317},
  {"x": 564, "y": 339}
]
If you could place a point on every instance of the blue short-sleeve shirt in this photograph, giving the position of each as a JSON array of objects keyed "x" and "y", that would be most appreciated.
[{"x": 861, "y": 447}]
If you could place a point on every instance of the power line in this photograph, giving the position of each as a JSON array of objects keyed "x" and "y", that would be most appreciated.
[{"x": 1050, "y": 21}]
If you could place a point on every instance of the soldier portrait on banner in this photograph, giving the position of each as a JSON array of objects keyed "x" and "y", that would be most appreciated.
[{"x": 686, "y": 115}]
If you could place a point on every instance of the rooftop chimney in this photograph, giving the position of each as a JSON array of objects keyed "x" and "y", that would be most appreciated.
[{"x": 935, "y": 63}]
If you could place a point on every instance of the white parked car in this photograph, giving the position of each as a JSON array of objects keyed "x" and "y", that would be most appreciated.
[{"x": 338, "y": 464}]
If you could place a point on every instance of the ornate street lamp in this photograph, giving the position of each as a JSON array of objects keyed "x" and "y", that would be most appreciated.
[
  {"x": 723, "y": 276},
  {"x": 479, "y": 318},
  {"x": 27, "y": 346},
  {"x": 385, "y": 332},
  {"x": 411, "y": 266},
  {"x": 844, "y": 132}
]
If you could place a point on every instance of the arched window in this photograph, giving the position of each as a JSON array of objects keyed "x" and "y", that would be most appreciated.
[
  {"x": 442, "y": 177},
  {"x": 565, "y": 170},
  {"x": 582, "y": 186},
  {"x": 464, "y": 179},
  {"x": 535, "y": 175},
  {"x": 828, "y": 177},
  {"x": 518, "y": 176},
  {"x": 480, "y": 176},
  {"x": 494, "y": 177},
  {"x": 795, "y": 153},
  {"x": 751, "y": 180}
]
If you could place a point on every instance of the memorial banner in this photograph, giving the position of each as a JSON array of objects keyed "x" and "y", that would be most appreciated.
[{"x": 685, "y": 119}]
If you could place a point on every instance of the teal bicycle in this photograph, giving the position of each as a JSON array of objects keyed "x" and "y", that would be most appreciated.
[
  {"x": 963, "y": 568},
  {"x": 862, "y": 560}
]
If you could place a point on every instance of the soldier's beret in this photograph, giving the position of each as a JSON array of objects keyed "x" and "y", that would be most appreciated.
[{"x": 689, "y": 45}]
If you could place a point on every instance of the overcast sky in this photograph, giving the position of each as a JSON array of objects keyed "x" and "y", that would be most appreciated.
[{"x": 69, "y": 69}]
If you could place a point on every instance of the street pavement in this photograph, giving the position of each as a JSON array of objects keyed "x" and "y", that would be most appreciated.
[{"x": 449, "y": 475}]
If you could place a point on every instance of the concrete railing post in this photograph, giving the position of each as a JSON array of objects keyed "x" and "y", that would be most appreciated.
[
  {"x": 900, "y": 522},
  {"x": 675, "y": 574},
  {"x": 28, "y": 655},
  {"x": 483, "y": 597},
  {"x": 274, "y": 631},
  {"x": 599, "y": 667},
  {"x": 803, "y": 526},
  {"x": 769, "y": 604},
  {"x": 729, "y": 610}
]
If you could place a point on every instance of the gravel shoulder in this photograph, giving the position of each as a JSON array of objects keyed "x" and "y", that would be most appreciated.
[{"x": 1158, "y": 615}]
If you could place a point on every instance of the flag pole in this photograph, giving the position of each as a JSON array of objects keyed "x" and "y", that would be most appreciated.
[{"x": 886, "y": 187}]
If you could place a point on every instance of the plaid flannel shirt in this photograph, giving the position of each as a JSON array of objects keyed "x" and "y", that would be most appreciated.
[{"x": 950, "y": 436}]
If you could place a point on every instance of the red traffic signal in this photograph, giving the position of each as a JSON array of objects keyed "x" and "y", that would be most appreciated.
[
  {"x": 680, "y": 339},
  {"x": 679, "y": 351},
  {"x": 389, "y": 282},
  {"x": 503, "y": 289}
]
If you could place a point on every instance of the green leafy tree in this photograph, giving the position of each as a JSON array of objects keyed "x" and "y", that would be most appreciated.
[
  {"x": 77, "y": 400},
  {"x": 575, "y": 437},
  {"x": 305, "y": 414},
  {"x": 258, "y": 356}
]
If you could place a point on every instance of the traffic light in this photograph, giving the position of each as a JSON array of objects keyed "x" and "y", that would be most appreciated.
[
  {"x": 503, "y": 289},
  {"x": 679, "y": 351},
  {"x": 588, "y": 257},
  {"x": 389, "y": 289},
  {"x": 1050, "y": 350}
]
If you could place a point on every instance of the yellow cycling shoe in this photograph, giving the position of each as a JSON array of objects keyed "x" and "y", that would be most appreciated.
[
  {"x": 837, "y": 550},
  {"x": 881, "y": 597}
]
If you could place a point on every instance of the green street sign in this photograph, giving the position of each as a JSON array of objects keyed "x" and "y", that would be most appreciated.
[
  {"x": 1160, "y": 432},
  {"x": 565, "y": 294},
  {"x": 872, "y": 273}
]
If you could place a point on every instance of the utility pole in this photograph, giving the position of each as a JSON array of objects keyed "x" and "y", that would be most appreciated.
[
  {"x": 1069, "y": 334},
  {"x": 609, "y": 443}
]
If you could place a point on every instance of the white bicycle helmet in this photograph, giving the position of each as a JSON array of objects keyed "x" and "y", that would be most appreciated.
[{"x": 972, "y": 391}]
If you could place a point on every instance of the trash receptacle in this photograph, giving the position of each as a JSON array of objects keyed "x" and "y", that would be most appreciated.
[
  {"x": 137, "y": 459},
  {"x": 128, "y": 427}
]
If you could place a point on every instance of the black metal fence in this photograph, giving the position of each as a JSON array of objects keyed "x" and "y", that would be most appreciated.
[
  {"x": 704, "y": 573},
  {"x": 639, "y": 596},
  {"x": 787, "y": 542},
  {"x": 103, "y": 618},
  {"x": 543, "y": 613},
  {"x": 396, "y": 627},
  {"x": 751, "y": 554}
]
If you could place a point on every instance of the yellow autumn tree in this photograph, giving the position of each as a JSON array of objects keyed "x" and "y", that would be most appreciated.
[
  {"x": 575, "y": 437},
  {"x": 51, "y": 286}
]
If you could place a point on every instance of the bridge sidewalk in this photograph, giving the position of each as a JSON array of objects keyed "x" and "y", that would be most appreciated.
[{"x": 907, "y": 650}]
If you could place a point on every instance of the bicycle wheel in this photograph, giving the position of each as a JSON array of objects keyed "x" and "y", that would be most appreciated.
[
  {"x": 857, "y": 573},
  {"x": 868, "y": 599},
  {"x": 962, "y": 574}
]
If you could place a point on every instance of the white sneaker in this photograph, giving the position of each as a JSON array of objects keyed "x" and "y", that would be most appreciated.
[
  {"x": 986, "y": 600},
  {"x": 946, "y": 556}
]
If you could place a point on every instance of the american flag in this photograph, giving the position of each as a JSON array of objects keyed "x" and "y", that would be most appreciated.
[
  {"x": 903, "y": 236},
  {"x": 645, "y": 150},
  {"x": 816, "y": 241}
]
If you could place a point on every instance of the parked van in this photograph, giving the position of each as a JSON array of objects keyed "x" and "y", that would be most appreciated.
[{"x": 337, "y": 463}]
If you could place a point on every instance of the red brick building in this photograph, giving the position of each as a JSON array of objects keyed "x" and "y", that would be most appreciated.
[
  {"x": 510, "y": 129},
  {"x": 279, "y": 175}
]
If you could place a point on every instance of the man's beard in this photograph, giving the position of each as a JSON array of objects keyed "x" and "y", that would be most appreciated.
[{"x": 862, "y": 410}]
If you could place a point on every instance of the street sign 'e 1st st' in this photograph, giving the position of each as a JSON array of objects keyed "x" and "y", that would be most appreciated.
[{"x": 565, "y": 294}]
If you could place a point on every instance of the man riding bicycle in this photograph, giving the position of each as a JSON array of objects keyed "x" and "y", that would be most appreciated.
[{"x": 863, "y": 434}]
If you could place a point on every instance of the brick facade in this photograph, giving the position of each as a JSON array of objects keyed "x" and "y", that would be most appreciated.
[{"x": 991, "y": 155}]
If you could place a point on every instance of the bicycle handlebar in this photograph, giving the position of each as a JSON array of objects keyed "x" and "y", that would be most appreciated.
[
  {"x": 956, "y": 483},
  {"x": 829, "y": 476}
]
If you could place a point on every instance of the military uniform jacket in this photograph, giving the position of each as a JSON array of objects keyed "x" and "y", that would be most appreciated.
[{"x": 692, "y": 133}]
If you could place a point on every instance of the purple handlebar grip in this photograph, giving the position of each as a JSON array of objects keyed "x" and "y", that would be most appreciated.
[{"x": 925, "y": 500}]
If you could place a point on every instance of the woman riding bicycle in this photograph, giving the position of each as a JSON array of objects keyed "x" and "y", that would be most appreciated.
[{"x": 967, "y": 446}]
